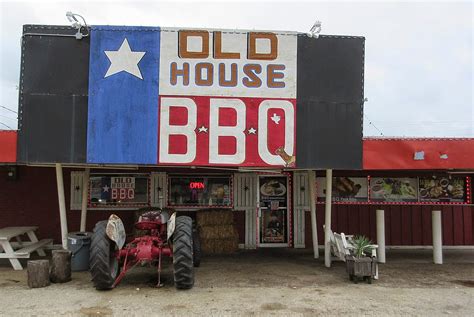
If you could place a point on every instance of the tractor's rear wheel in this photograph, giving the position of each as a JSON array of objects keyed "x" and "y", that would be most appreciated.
[
  {"x": 104, "y": 266},
  {"x": 196, "y": 248},
  {"x": 183, "y": 268}
]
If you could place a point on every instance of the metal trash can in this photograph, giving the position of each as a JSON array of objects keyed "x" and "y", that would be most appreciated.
[{"x": 79, "y": 245}]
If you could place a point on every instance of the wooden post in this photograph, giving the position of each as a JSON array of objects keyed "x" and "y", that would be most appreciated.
[
  {"x": 380, "y": 219},
  {"x": 312, "y": 202},
  {"x": 38, "y": 273},
  {"x": 327, "y": 220},
  {"x": 62, "y": 204},
  {"x": 437, "y": 237},
  {"x": 61, "y": 266},
  {"x": 85, "y": 189}
]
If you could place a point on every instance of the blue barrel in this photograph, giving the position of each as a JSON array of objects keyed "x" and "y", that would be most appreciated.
[{"x": 79, "y": 244}]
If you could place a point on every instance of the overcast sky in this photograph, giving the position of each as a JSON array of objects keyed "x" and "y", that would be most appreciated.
[{"x": 419, "y": 55}]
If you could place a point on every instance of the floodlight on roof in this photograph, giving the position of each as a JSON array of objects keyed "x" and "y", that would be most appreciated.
[
  {"x": 315, "y": 29},
  {"x": 72, "y": 18}
]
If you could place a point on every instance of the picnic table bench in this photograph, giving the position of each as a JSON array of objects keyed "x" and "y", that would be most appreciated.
[{"x": 20, "y": 249}]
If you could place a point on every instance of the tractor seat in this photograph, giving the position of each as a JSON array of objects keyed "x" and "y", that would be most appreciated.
[
  {"x": 149, "y": 220},
  {"x": 154, "y": 215}
]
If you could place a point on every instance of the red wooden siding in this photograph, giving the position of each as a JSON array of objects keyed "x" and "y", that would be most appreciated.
[{"x": 405, "y": 225}]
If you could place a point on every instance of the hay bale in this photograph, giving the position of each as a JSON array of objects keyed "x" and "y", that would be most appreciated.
[
  {"x": 207, "y": 246},
  {"x": 219, "y": 246},
  {"x": 217, "y": 232},
  {"x": 226, "y": 246},
  {"x": 208, "y": 217}
]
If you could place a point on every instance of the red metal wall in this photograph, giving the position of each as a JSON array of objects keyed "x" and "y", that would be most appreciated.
[
  {"x": 32, "y": 200},
  {"x": 438, "y": 153},
  {"x": 8, "y": 146},
  {"x": 404, "y": 224}
]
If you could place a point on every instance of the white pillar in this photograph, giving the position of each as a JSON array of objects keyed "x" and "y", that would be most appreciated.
[
  {"x": 62, "y": 204},
  {"x": 380, "y": 216},
  {"x": 327, "y": 220},
  {"x": 312, "y": 202},
  {"x": 85, "y": 189},
  {"x": 437, "y": 237}
]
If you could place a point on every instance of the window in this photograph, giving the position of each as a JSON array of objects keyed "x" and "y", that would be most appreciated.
[
  {"x": 123, "y": 190},
  {"x": 212, "y": 191}
]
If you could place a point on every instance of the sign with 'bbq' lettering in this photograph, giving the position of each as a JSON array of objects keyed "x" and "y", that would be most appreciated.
[
  {"x": 200, "y": 97},
  {"x": 192, "y": 97}
]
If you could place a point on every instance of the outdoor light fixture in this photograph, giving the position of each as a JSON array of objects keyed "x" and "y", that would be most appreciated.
[
  {"x": 315, "y": 29},
  {"x": 75, "y": 22},
  {"x": 443, "y": 156},
  {"x": 72, "y": 17},
  {"x": 419, "y": 156},
  {"x": 12, "y": 173}
]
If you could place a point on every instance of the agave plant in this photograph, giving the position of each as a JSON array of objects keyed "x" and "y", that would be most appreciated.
[{"x": 362, "y": 245}]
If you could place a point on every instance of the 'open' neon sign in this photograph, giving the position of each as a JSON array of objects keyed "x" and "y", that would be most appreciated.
[{"x": 196, "y": 185}]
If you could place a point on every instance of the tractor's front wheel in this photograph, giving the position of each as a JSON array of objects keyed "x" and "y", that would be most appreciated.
[
  {"x": 103, "y": 264},
  {"x": 183, "y": 268}
]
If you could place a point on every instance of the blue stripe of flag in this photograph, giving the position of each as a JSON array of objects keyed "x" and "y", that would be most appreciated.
[{"x": 123, "y": 109}]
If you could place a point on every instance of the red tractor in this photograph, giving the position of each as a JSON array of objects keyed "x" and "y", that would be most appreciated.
[{"x": 165, "y": 235}]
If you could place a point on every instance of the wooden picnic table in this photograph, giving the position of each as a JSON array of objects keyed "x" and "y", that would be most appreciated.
[{"x": 20, "y": 249}]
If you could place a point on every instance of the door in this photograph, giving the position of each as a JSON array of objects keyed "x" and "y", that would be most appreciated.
[{"x": 273, "y": 211}]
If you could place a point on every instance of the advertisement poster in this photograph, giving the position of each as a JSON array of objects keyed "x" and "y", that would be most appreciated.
[
  {"x": 273, "y": 226},
  {"x": 394, "y": 189},
  {"x": 344, "y": 189},
  {"x": 273, "y": 191},
  {"x": 273, "y": 200},
  {"x": 442, "y": 189}
]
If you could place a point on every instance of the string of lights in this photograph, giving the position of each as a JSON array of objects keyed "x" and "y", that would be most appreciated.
[{"x": 370, "y": 123}]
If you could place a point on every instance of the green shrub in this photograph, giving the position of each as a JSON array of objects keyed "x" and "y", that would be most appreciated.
[{"x": 362, "y": 246}]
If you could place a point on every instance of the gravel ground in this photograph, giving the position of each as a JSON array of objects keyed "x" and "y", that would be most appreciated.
[{"x": 261, "y": 283}]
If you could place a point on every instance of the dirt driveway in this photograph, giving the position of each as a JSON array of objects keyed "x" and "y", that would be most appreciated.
[{"x": 267, "y": 282}]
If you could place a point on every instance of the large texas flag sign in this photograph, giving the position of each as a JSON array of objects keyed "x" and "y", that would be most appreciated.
[{"x": 191, "y": 97}]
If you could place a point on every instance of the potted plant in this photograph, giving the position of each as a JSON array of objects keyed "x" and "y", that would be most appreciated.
[{"x": 360, "y": 263}]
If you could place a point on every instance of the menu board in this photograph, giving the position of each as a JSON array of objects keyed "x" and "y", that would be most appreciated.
[
  {"x": 442, "y": 189},
  {"x": 344, "y": 189},
  {"x": 394, "y": 189}
]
